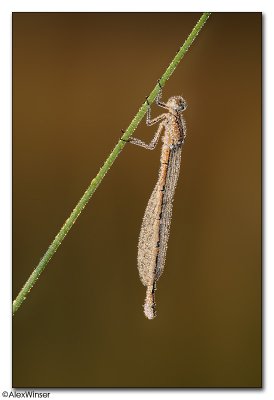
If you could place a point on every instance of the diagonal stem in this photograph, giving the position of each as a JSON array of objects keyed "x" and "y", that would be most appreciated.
[{"x": 108, "y": 163}]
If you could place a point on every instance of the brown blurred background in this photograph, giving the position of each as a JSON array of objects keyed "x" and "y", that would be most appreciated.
[{"x": 78, "y": 78}]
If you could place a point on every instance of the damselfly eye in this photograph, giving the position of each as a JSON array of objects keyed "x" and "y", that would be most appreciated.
[{"x": 181, "y": 105}]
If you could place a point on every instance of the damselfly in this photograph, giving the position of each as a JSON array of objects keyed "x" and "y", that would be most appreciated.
[{"x": 155, "y": 227}]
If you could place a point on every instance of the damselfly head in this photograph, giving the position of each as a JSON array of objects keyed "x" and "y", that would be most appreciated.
[{"x": 177, "y": 103}]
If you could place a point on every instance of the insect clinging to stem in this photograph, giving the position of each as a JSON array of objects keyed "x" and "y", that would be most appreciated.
[{"x": 154, "y": 234}]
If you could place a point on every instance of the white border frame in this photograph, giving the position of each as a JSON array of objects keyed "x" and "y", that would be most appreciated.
[{"x": 265, "y": 6}]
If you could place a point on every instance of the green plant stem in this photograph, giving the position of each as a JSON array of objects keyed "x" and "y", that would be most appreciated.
[{"x": 108, "y": 163}]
